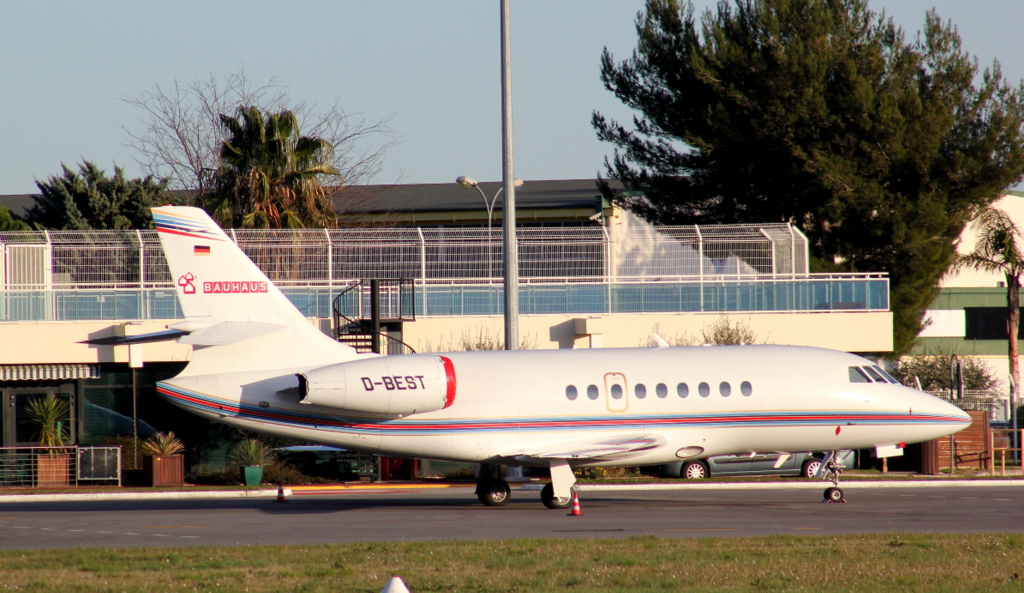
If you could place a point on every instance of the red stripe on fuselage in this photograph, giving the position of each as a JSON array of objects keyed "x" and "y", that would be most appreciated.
[
  {"x": 185, "y": 234},
  {"x": 449, "y": 374}
]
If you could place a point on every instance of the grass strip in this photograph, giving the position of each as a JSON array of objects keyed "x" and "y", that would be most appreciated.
[{"x": 869, "y": 563}]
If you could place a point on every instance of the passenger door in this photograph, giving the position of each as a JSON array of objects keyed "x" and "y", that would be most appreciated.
[{"x": 616, "y": 392}]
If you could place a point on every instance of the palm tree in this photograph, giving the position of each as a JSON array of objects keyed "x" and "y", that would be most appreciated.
[
  {"x": 998, "y": 249},
  {"x": 269, "y": 175}
]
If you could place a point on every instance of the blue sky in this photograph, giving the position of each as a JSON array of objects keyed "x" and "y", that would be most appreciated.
[{"x": 433, "y": 67}]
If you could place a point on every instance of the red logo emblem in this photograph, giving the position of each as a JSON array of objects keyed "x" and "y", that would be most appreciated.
[{"x": 185, "y": 282}]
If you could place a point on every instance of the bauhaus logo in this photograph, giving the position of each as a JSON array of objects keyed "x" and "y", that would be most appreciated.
[{"x": 233, "y": 287}]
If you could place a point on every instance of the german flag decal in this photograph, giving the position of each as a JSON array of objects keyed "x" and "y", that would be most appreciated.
[{"x": 201, "y": 250}]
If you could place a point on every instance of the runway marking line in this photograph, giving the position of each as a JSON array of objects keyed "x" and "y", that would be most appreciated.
[{"x": 708, "y": 529}]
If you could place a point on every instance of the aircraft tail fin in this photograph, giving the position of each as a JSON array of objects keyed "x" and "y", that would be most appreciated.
[
  {"x": 214, "y": 278},
  {"x": 228, "y": 300}
]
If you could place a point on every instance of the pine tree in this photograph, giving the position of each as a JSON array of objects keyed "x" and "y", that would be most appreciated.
[
  {"x": 88, "y": 199},
  {"x": 820, "y": 113}
]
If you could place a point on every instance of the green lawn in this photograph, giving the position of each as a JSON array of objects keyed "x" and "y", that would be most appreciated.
[{"x": 871, "y": 563}]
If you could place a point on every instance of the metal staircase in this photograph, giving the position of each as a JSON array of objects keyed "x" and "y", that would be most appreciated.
[{"x": 353, "y": 314}]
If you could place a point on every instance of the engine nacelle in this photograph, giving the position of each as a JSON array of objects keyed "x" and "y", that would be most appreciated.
[{"x": 389, "y": 385}]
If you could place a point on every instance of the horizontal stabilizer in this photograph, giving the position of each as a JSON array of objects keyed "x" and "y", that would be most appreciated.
[
  {"x": 160, "y": 336},
  {"x": 229, "y": 332},
  {"x": 594, "y": 449}
]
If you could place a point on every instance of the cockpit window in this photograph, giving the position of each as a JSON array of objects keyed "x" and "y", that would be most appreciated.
[
  {"x": 885, "y": 374},
  {"x": 875, "y": 375},
  {"x": 858, "y": 376}
]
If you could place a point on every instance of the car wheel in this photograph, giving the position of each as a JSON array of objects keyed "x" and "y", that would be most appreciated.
[
  {"x": 694, "y": 470},
  {"x": 811, "y": 467}
]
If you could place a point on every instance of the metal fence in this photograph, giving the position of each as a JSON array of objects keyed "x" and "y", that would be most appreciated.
[
  {"x": 134, "y": 259},
  {"x": 815, "y": 292},
  {"x": 48, "y": 467}
]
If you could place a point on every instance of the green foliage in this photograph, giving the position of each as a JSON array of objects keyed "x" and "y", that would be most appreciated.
[
  {"x": 88, "y": 199},
  {"x": 51, "y": 417},
  {"x": 162, "y": 444},
  {"x": 270, "y": 175},
  {"x": 250, "y": 452},
  {"x": 9, "y": 223},
  {"x": 820, "y": 113},
  {"x": 934, "y": 372}
]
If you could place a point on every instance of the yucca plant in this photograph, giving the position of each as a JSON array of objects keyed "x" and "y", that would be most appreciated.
[
  {"x": 163, "y": 444},
  {"x": 250, "y": 452},
  {"x": 50, "y": 415}
]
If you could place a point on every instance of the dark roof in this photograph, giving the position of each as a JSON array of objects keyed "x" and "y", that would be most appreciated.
[
  {"x": 575, "y": 194},
  {"x": 443, "y": 197},
  {"x": 18, "y": 204}
]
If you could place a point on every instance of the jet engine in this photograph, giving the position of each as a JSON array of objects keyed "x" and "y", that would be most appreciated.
[{"x": 388, "y": 385}]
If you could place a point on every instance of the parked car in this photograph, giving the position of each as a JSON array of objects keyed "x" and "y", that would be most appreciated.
[{"x": 759, "y": 464}]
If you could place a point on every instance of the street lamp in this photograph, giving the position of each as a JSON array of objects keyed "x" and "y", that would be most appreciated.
[{"x": 466, "y": 182}]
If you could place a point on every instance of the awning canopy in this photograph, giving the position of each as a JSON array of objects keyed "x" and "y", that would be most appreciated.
[{"x": 48, "y": 372}]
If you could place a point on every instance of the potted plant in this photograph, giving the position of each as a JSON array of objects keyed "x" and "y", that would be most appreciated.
[
  {"x": 162, "y": 464},
  {"x": 251, "y": 455},
  {"x": 50, "y": 415}
]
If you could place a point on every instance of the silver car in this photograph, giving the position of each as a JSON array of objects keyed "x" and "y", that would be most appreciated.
[{"x": 758, "y": 464}]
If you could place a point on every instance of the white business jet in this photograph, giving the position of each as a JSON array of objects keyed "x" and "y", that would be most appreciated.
[{"x": 258, "y": 364}]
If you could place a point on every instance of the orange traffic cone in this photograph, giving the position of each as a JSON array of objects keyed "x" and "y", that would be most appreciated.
[
  {"x": 575, "y": 505},
  {"x": 280, "y": 493}
]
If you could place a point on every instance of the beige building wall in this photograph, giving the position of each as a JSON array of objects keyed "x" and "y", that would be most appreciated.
[
  {"x": 850, "y": 332},
  {"x": 41, "y": 342}
]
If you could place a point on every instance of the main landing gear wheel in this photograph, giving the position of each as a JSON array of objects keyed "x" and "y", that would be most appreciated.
[
  {"x": 834, "y": 495},
  {"x": 494, "y": 493},
  {"x": 547, "y": 496}
]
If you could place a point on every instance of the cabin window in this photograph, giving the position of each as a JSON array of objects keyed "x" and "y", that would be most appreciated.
[
  {"x": 640, "y": 390},
  {"x": 858, "y": 376},
  {"x": 886, "y": 375},
  {"x": 592, "y": 392},
  {"x": 661, "y": 390},
  {"x": 682, "y": 390},
  {"x": 878, "y": 378},
  {"x": 725, "y": 389},
  {"x": 746, "y": 388},
  {"x": 616, "y": 391},
  {"x": 571, "y": 393},
  {"x": 704, "y": 389}
]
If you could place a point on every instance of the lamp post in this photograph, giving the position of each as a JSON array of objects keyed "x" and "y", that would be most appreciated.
[
  {"x": 466, "y": 182},
  {"x": 510, "y": 261}
]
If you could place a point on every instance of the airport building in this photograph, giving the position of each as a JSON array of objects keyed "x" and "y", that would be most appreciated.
[{"x": 591, "y": 276}]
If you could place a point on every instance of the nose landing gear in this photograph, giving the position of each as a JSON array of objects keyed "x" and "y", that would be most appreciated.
[{"x": 830, "y": 469}]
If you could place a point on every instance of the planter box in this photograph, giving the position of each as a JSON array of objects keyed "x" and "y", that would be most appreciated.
[
  {"x": 53, "y": 470},
  {"x": 163, "y": 470},
  {"x": 252, "y": 475}
]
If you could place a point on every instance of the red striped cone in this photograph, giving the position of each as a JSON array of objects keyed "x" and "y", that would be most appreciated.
[
  {"x": 280, "y": 494},
  {"x": 575, "y": 505}
]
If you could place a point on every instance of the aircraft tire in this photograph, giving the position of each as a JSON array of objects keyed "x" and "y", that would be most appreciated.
[
  {"x": 547, "y": 496},
  {"x": 833, "y": 495},
  {"x": 494, "y": 493}
]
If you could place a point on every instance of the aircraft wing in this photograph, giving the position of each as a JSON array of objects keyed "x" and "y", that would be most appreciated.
[{"x": 599, "y": 449}]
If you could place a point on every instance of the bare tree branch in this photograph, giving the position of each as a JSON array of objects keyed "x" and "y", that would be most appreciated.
[{"x": 181, "y": 136}]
